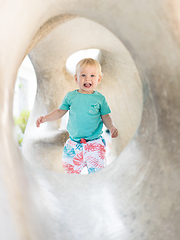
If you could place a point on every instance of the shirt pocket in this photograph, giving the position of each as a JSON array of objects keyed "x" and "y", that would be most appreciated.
[{"x": 94, "y": 109}]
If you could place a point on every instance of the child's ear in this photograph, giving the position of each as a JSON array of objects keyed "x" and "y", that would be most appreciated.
[
  {"x": 75, "y": 77},
  {"x": 99, "y": 78}
]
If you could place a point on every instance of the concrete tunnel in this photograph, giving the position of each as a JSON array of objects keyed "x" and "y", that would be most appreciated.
[{"x": 137, "y": 195}]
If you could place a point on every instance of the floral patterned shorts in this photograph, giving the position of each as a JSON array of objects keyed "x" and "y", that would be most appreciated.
[{"x": 90, "y": 154}]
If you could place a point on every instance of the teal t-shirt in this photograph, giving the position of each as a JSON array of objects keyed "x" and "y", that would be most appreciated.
[{"x": 85, "y": 112}]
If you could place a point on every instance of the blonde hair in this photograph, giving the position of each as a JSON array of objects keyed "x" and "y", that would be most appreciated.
[{"x": 88, "y": 62}]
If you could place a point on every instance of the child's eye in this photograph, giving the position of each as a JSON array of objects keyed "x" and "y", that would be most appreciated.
[
  {"x": 83, "y": 75},
  {"x": 92, "y": 75}
]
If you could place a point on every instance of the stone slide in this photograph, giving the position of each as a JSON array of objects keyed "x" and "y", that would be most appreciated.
[{"x": 137, "y": 195}]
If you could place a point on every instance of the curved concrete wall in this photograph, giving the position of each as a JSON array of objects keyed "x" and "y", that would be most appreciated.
[{"x": 135, "y": 197}]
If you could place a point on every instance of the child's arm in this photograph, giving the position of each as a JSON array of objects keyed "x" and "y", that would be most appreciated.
[
  {"x": 107, "y": 120},
  {"x": 55, "y": 115}
]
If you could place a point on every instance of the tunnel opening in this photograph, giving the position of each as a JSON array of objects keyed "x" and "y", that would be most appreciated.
[
  {"x": 121, "y": 85},
  {"x": 24, "y": 97}
]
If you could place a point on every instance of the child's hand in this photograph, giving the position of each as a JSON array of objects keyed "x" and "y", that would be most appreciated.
[
  {"x": 114, "y": 132},
  {"x": 39, "y": 121}
]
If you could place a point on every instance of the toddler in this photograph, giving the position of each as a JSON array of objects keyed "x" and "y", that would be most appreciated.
[{"x": 88, "y": 110}]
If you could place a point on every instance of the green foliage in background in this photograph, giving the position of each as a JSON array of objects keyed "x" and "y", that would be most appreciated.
[{"x": 21, "y": 122}]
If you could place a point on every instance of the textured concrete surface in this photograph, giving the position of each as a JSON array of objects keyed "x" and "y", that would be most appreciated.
[{"x": 137, "y": 195}]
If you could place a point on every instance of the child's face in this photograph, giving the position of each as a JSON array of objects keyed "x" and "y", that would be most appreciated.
[{"x": 87, "y": 78}]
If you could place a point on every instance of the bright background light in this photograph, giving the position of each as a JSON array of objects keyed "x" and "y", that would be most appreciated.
[
  {"x": 77, "y": 56},
  {"x": 25, "y": 88}
]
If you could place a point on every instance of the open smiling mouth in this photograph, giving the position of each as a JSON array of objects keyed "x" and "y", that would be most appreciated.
[{"x": 88, "y": 85}]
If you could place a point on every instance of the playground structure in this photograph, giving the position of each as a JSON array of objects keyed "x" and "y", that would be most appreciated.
[{"x": 137, "y": 195}]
